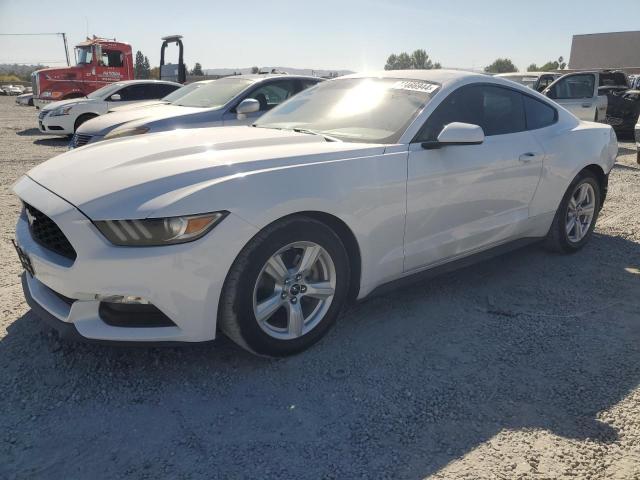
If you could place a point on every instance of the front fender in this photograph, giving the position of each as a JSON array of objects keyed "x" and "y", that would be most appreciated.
[{"x": 367, "y": 193}]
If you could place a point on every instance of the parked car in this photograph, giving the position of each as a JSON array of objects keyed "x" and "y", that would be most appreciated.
[
  {"x": 173, "y": 96},
  {"x": 602, "y": 96},
  {"x": 538, "y": 81},
  {"x": 64, "y": 117},
  {"x": 25, "y": 99},
  {"x": 268, "y": 230},
  {"x": 13, "y": 89},
  {"x": 237, "y": 100}
]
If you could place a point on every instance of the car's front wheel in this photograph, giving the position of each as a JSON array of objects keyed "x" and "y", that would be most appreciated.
[
  {"x": 576, "y": 216},
  {"x": 286, "y": 288}
]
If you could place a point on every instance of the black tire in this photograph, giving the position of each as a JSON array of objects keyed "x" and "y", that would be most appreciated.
[
  {"x": 557, "y": 239},
  {"x": 81, "y": 119},
  {"x": 236, "y": 317}
]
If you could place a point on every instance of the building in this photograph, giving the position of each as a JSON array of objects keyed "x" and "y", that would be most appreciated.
[{"x": 615, "y": 50}]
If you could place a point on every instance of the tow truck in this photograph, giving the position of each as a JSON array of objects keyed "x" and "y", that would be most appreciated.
[{"x": 99, "y": 61}]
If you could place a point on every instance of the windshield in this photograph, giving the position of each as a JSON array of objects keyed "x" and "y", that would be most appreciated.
[
  {"x": 213, "y": 95},
  {"x": 83, "y": 55},
  {"x": 182, "y": 91},
  {"x": 105, "y": 91},
  {"x": 354, "y": 109}
]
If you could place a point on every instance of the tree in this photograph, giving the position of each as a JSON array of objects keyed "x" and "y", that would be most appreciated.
[
  {"x": 417, "y": 60},
  {"x": 139, "y": 68},
  {"x": 404, "y": 61},
  {"x": 255, "y": 70},
  {"x": 421, "y": 60},
  {"x": 533, "y": 68},
  {"x": 154, "y": 73},
  {"x": 501, "y": 65},
  {"x": 392, "y": 62},
  {"x": 437, "y": 66},
  {"x": 197, "y": 70},
  {"x": 146, "y": 67}
]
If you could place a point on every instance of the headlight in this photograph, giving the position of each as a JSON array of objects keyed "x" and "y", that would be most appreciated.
[
  {"x": 159, "y": 231},
  {"x": 126, "y": 132},
  {"x": 58, "y": 112}
]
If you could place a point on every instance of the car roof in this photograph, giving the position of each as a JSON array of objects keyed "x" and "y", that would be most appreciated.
[
  {"x": 133, "y": 82},
  {"x": 440, "y": 76},
  {"x": 525, "y": 74},
  {"x": 258, "y": 77}
]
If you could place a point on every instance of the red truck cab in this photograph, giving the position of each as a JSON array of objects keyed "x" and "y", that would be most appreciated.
[{"x": 99, "y": 61}]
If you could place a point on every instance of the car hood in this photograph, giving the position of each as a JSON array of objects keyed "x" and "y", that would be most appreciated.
[
  {"x": 105, "y": 123},
  {"x": 139, "y": 104},
  {"x": 62, "y": 103},
  {"x": 138, "y": 177}
]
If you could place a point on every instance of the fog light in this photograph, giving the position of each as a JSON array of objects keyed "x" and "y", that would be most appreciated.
[{"x": 122, "y": 299}]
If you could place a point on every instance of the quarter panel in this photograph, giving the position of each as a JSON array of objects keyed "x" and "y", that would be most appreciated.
[{"x": 570, "y": 147}]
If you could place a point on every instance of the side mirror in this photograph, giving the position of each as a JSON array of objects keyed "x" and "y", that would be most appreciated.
[
  {"x": 248, "y": 105},
  {"x": 457, "y": 133},
  {"x": 116, "y": 97},
  {"x": 550, "y": 92}
]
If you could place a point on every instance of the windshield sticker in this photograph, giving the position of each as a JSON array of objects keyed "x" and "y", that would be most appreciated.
[{"x": 415, "y": 86}]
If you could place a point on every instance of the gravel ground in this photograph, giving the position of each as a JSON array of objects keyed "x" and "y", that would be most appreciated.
[{"x": 525, "y": 366}]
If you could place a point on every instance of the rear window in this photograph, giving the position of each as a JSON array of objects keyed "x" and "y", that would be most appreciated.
[{"x": 613, "y": 79}]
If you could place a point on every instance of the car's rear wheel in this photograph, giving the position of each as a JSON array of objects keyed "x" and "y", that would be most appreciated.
[
  {"x": 576, "y": 216},
  {"x": 286, "y": 288}
]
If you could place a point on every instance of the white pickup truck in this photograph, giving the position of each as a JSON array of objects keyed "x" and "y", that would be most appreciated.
[{"x": 578, "y": 92}]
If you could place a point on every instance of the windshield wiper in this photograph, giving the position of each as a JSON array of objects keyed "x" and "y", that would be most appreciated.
[{"x": 313, "y": 132}]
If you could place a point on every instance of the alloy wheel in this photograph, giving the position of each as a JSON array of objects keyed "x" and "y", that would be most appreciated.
[
  {"x": 294, "y": 290},
  {"x": 580, "y": 212}
]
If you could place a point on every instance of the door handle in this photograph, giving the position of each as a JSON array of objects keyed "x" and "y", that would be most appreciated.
[
  {"x": 587, "y": 105},
  {"x": 527, "y": 157}
]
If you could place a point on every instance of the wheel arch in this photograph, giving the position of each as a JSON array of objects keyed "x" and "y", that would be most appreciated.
[
  {"x": 346, "y": 235},
  {"x": 86, "y": 116},
  {"x": 602, "y": 178},
  {"x": 349, "y": 241}
]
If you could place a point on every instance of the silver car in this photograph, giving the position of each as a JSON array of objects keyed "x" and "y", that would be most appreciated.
[{"x": 236, "y": 100}]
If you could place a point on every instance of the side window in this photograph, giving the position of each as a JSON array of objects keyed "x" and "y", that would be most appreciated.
[
  {"x": 574, "y": 87},
  {"x": 159, "y": 90},
  {"x": 307, "y": 84},
  {"x": 133, "y": 92},
  {"x": 111, "y": 58},
  {"x": 539, "y": 114},
  {"x": 497, "y": 110},
  {"x": 503, "y": 111},
  {"x": 544, "y": 82},
  {"x": 273, "y": 94}
]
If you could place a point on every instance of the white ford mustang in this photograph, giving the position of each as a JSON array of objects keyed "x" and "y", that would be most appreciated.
[{"x": 267, "y": 230}]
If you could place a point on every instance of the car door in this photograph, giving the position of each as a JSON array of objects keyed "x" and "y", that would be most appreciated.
[
  {"x": 465, "y": 198},
  {"x": 269, "y": 95},
  {"x": 578, "y": 93}
]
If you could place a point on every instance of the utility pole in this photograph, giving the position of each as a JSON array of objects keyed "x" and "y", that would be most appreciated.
[{"x": 66, "y": 48}]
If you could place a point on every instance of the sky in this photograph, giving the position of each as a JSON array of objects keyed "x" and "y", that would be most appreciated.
[{"x": 356, "y": 35}]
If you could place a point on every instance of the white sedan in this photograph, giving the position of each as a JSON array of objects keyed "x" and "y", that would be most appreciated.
[
  {"x": 266, "y": 231},
  {"x": 64, "y": 117}
]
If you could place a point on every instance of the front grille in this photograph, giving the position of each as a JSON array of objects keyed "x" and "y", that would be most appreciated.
[
  {"x": 42, "y": 114},
  {"x": 79, "y": 140},
  {"x": 48, "y": 234}
]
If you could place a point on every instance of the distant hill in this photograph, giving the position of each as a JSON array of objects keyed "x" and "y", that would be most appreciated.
[
  {"x": 293, "y": 71},
  {"x": 21, "y": 71}
]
